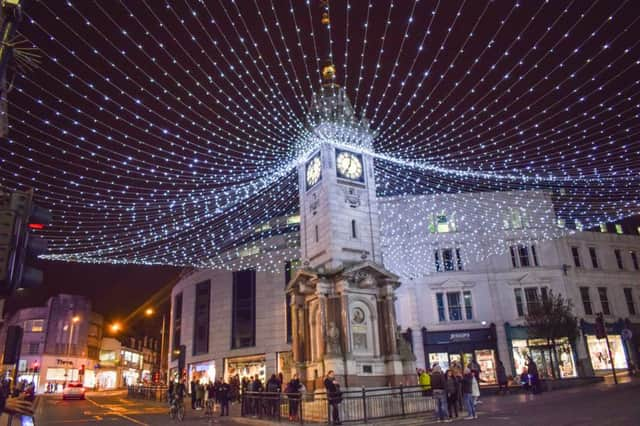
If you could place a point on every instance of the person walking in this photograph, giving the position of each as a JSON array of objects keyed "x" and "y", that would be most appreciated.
[
  {"x": 425, "y": 382},
  {"x": 451, "y": 386},
  {"x": 334, "y": 396},
  {"x": 439, "y": 393},
  {"x": 467, "y": 394},
  {"x": 273, "y": 398},
  {"x": 532, "y": 368},
  {"x": 199, "y": 396},
  {"x": 194, "y": 392},
  {"x": 503, "y": 380},
  {"x": 225, "y": 395}
]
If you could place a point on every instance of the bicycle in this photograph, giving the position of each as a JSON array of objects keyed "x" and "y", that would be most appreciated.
[{"x": 176, "y": 409}]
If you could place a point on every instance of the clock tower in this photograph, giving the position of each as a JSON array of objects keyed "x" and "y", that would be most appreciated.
[{"x": 338, "y": 209}]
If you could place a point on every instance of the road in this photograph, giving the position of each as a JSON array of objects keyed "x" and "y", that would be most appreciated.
[
  {"x": 602, "y": 405},
  {"x": 111, "y": 409}
]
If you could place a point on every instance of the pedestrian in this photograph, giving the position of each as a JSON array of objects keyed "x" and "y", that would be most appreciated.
[
  {"x": 225, "y": 395},
  {"x": 334, "y": 396},
  {"x": 451, "y": 386},
  {"x": 439, "y": 393},
  {"x": 425, "y": 382},
  {"x": 273, "y": 398},
  {"x": 293, "y": 393},
  {"x": 194, "y": 392},
  {"x": 503, "y": 380},
  {"x": 475, "y": 390},
  {"x": 533, "y": 376},
  {"x": 199, "y": 396},
  {"x": 467, "y": 394}
]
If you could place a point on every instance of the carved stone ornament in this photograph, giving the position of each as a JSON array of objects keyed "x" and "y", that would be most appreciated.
[
  {"x": 352, "y": 197},
  {"x": 363, "y": 279},
  {"x": 333, "y": 338}
]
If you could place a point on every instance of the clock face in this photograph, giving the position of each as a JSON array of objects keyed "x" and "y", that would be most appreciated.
[
  {"x": 314, "y": 171},
  {"x": 349, "y": 165}
]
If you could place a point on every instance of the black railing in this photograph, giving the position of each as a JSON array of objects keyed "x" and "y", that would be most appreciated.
[
  {"x": 360, "y": 405},
  {"x": 148, "y": 392}
]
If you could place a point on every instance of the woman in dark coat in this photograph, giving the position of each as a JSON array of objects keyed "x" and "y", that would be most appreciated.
[
  {"x": 452, "y": 388},
  {"x": 503, "y": 381},
  {"x": 293, "y": 393}
]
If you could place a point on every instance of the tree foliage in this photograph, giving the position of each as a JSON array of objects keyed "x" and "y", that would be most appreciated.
[{"x": 552, "y": 318}]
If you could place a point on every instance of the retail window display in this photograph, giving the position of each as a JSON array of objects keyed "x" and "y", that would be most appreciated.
[
  {"x": 487, "y": 362},
  {"x": 440, "y": 358},
  {"x": 204, "y": 372},
  {"x": 600, "y": 355},
  {"x": 539, "y": 351},
  {"x": 246, "y": 367}
]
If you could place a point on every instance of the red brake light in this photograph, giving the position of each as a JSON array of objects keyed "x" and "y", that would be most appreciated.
[{"x": 36, "y": 226}]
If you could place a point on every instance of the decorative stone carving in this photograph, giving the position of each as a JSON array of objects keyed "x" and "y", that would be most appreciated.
[
  {"x": 363, "y": 279},
  {"x": 333, "y": 339},
  {"x": 314, "y": 204},
  {"x": 352, "y": 197}
]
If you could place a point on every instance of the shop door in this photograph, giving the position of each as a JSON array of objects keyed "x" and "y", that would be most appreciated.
[
  {"x": 462, "y": 359},
  {"x": 540, "y": 356}
]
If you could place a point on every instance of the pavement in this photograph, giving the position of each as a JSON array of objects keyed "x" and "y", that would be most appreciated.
[{"x": 601, "y": 404}]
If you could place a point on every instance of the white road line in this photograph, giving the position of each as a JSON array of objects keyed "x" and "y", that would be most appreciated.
[{"x": 116, "y": 413}]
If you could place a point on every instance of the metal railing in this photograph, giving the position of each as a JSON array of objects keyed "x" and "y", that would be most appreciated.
[
  {"x": 361, "y": 405},
  {"x": 147, "y": 392}
]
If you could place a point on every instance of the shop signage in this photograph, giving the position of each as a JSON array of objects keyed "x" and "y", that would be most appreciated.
[
  {"x": 460, "y": 337},
  {"x": 481, "y": 336},
  {"x": 64, "y": 362}
]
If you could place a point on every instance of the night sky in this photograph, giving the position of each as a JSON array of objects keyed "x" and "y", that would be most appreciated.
[{"x": 164, "y": 132}]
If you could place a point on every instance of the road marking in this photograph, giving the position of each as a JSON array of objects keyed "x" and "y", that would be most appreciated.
[{"x": 118, "y": 414}]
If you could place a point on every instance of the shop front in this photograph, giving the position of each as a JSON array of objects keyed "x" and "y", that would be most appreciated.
[
  {"x": 597, "y": 348},
  {"x": 246, "y": 366},
  {"x": 547, "y": 358},
  {"x": 463, "y": 346},
  {"x": 107, "y": 379},
  {"x": 130, "y": 376},
  {"x": 203, "y": 372}
]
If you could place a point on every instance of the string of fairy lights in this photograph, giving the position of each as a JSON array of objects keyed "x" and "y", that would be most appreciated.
[{"x": 170, "y": 132}]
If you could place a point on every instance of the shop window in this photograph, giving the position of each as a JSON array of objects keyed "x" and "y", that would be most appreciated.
[
  {"x": 519, "y": 302},
  {"x": 243, "y": 324},
  {"x": 631, "y": 306},
  {"x": 604, "y": 300},
  {"x": 634, "y": 259},
  {"x": 538, "y": 350},
  {"x": 201, "y": 318},
  {"x": 618, "y": 255},
  {"x": 440, "y": 303},
  {"x": 439, "y": 358},
  {"x": 586, "y": 300},
  {"x": 599, "y": 353},
  {"x": 594, "y": 258},
  {"x": 576, "y": 257},
  {"x": 177, "y": 322}
]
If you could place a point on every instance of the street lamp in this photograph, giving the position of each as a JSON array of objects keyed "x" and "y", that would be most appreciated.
[
  {"x": 149, "y": 312},
  {"x": 115, "y": 327},
  {"x": 74, "y": 321}
]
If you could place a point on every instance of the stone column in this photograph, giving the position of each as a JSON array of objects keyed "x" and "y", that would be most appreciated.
[
  {"x": 322, "y": 326},
  {"x": 296, "y": 338}
]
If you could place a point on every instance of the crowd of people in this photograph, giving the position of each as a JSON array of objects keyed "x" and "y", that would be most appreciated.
[{"x": 264, "y": 399}]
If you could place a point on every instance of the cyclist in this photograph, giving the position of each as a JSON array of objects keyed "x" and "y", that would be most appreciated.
[{"x": 177, "y": 395}]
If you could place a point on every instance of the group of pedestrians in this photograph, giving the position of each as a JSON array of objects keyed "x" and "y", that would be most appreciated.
[
  {"x": 203, "y": 395},
  {"x": 266, "y": 399},
  {"x": 452, "y": 389}
]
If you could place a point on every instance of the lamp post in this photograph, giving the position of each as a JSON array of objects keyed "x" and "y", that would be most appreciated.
[
  {"x": 149, "y": 312},
  {"x": 74, "y": 321}
]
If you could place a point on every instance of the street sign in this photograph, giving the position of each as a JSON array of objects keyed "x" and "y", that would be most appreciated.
[{"x": 626, "y": 334}]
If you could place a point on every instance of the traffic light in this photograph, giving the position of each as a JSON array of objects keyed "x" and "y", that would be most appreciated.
[
  {"x": 600, "y": 328},
  {"x": 29, "y": 245}
]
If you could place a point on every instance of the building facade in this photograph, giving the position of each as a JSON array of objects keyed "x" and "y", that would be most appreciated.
[
  {"x": 469, "y": 265},
  {"x": 61, "y": 342}
]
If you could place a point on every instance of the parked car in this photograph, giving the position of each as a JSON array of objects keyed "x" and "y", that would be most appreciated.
[{"x": 73, "y": 390}]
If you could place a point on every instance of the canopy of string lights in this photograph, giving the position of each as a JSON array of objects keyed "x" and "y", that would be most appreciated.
[{"x": 168, "y": 132}]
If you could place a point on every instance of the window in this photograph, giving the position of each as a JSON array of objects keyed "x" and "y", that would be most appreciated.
[
  {"x": 594, "y": 257},
  {"x": 531, "y": 297},
  {"x": 353, "y": 229},
  {"x": 201, "y": 318},
  {"x": 177, "y": 321},
  {"x": 619, "y": 229},
  {"x": 604, "y": 300},
  {"x": 631, "y": 306},
  {"x": 467, "y": 304},
  {"x": 34, "y": 326},
  {"x": 634, "y": 259},
  {"x": 534, "y": 254},
  {"x": 243, "y": 321},
  {"x": 586, "y": 300},
  {"x": 447, "y": 259},
  {"x": 34, "y": 348},
  {"x": 519, "y": 304},
  {"x": 515, "y": 218},
  {"x": 523, "y": 256},
  {"x": 454, "y": 309},
  {"x": 603, "y": 227},
  {"x": 442, "y": 223},
  {"x": 576, "y": 257},
  {"x": 618, "y": 258},
  {"x": 440, "y": 302},
  {"x": 544, "y": 293},
  {"x": 514, "y": 261}
]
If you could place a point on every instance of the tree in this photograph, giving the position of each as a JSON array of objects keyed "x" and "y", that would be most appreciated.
[{"x": 551, "y": 318}]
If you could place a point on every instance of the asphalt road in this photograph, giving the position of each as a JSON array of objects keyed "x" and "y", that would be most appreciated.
[{"x": 111, "y": 409}]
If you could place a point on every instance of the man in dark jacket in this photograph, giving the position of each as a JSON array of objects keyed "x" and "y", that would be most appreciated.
[
  {"x": 225, "y": 395},
  {"x": 194, "y": 389},
  {"x": 334, "y": 396},
  {"x": 439, "y": 393}
]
